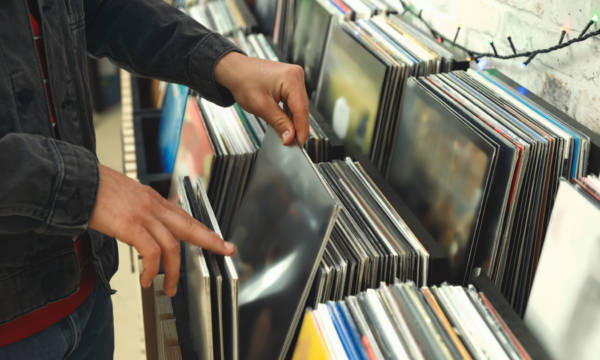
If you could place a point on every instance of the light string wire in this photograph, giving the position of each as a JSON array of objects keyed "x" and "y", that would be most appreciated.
[{"x": 476, "y": 55}]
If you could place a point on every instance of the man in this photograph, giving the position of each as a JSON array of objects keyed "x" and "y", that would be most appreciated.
[{"x": 60, "y": 208}]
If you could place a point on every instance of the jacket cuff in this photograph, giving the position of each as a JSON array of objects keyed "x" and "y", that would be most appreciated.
[
  {"x": 201, "y": 68},
  {"x": 76, "y": 190}
]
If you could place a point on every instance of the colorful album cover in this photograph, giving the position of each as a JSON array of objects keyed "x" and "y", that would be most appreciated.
[
  {"x": 351, "y": 85},
  {"x": 310, "y": 344},
  {"x": 196, "y": 153},
  {"x": 170, "y": 124}
]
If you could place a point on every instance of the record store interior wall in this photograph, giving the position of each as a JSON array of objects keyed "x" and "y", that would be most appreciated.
[{"x": 568, "y": 78}]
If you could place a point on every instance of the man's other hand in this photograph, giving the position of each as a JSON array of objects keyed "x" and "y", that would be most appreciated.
[
  {"x": 259, "y": 85},
  {"x": 137, "y": 215}
]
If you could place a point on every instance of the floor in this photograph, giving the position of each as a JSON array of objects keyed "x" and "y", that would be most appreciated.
[{"x": 127, "y": 303}]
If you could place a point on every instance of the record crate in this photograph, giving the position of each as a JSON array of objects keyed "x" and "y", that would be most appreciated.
[
  {"x": 146, "y": 124},
  {"x": 438, "y": 259}
]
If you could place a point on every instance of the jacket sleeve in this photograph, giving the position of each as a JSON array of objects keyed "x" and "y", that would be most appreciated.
[
  {"x": 47, "y": 186},
  {"x": 154, "y": 39}
]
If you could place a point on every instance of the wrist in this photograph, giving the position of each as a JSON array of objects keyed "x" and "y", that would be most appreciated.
[{"x": 227, "y": 69}]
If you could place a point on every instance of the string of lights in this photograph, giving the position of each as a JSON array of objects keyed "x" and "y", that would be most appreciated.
[{"x": 529, "y": 55}]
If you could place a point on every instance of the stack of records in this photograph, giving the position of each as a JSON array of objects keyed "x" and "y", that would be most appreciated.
[
  {"x": 233, "y": 148},
  {"x": 563, "y": 309},
  {"x": 370, "y": 242},
  {"x": 363, "y": 72},
  {"x": 478, "y": 163},
  {"x": 264, "y": 10},
  {"x": 211, "y": 283},
  {"x": 314, "y": 19},
  {"x": 224, "y": 16},
  {"x": 403, "y": 321},
  {"x": 310, "y": 16},
  {"x": 254, "y": 45},
  {"x": 280, "y": 232},
  {"x": 318, "y": 145},
  {"x": 219, "y": 144}
]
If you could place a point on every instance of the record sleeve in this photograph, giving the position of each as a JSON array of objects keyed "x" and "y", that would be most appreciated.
[
  {"x": 197, "y": 289},
  {"x": 280, "y": 231},
  {"x": 352, "y": 111},
  {"x": 565, "y": 324},
  {"x": 350, "y": 325},
  {"x": 363, "y": 327},
  {"x": 170, "y": 124},
  {"x": 310, "y": 34},
  {"x": 310, "y": 344},
  {"x": 440, "y": 167}
]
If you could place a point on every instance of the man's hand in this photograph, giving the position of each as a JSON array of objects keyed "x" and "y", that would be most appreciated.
[
  {"x": 259, "y": 85},
  {"x": 137, "y": 215}
]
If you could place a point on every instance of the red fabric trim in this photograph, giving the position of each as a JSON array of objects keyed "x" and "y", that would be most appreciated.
[
  {"x": 37, "y": 33},
  {"x": 52, "y": 313}
]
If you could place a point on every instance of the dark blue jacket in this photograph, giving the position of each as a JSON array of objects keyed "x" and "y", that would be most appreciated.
[{"x": 48, "y": 185}]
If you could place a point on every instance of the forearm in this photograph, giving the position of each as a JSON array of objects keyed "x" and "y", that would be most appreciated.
[
  {"x": 46, "y": 185},
  {"x": 153, "y": 39}
]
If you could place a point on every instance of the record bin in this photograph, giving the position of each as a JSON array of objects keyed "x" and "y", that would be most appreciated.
[
  {"x": 482, "y": 283},
  {"x": 594, "y": 159},
  {"x": 146, "y": 125},
  {"x": 336, "y": 150},
  {"x": 438, "y": 259},
  {"x": 439, "y": 269},
  {"x": 510, "y": 317},
  {"x": 141, "y": 93}
]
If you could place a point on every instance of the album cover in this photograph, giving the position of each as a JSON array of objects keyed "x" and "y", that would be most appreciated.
[
  {"x": 565, "y": 324},
  {"x": 440, "y": 167},
  {"x": 494, "y": 213},
  {"x": 198, "y": 289},
  {"x": 265, "y": 14},
  {"x": 229, "y": 301},
  {"x": 351, "y": 110},
  {"x": 196, "y": 153},
  {"x": 310, "y": 34},
  {"x": 310, "y": 344},
  {"x": 170, "y": 124},
  {"x": 280, "y": 231}
]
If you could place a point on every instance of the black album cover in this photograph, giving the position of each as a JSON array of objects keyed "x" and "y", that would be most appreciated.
[
  {"x": 440, "y": 167},
  {"x": 265, "y": 14},
  {"x": 310, "y": 35},
  {"x": 280, "y": 232}
]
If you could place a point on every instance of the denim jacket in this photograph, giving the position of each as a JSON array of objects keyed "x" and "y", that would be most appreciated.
[{"x": 48, "y": 184}]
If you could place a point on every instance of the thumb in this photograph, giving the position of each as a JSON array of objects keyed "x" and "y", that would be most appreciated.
[{"x": 279, "y": 120}]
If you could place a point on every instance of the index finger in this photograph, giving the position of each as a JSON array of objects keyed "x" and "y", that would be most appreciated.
[{"x": 190, "y": 230}]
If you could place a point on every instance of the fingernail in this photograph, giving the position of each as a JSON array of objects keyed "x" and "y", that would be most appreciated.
[
  {"x": 229, "y": 246},
  {"x": 285, "y": 136}
]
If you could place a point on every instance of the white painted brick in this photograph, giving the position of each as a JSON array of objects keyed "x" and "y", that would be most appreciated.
[
  {"x": 557, "y": 91},
  {"x": 525, "y": 35},
  {"x": 532, "y": 24},
  {"x": 575, "y": 14},
  {"x": 587, "y": 110},
  {"x": 535, "y": 7},
  {"x": 482, "y": 15}
]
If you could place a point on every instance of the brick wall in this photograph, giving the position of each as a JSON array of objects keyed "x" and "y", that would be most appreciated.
[{"x": 568, "y": 78}]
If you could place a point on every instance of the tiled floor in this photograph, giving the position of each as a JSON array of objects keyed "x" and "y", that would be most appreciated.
[{"x": 127, "y": 303}]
